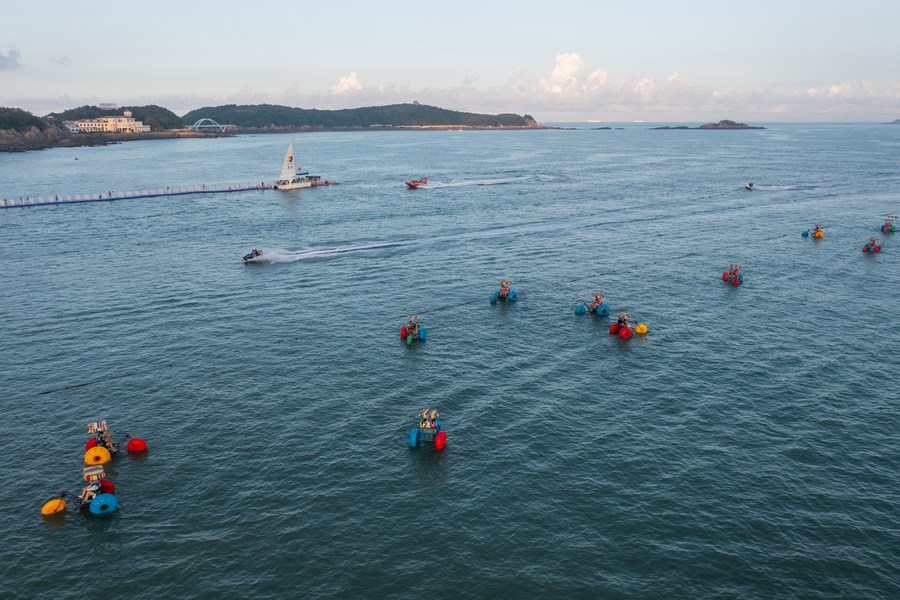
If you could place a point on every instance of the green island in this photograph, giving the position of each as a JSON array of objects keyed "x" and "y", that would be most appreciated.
[{"x": 21, "y": 131}]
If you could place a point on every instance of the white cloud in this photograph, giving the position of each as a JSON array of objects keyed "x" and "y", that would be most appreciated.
[
  {"x": 10, "y": 60},
  {"x": 348, "y": 83},
  {"x": 569, "y": 90},
  {"x": 563, "y": 79}
]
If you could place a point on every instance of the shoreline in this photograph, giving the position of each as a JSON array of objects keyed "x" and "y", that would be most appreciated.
[{"x": 14, "y": 141}]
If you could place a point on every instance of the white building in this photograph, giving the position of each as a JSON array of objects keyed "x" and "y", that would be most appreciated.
[{"x": 118, "y": 124}]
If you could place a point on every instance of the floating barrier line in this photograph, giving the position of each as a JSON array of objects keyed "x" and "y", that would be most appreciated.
[
  {"x": 86, "y": 383},
  {"x": 113, "y": 196}
]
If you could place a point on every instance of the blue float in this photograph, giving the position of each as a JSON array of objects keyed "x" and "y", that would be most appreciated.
[
  {"x": 602, "y": 310},
  {"x": 511, "y": 297},
  {"x": 103, "y": 504}
]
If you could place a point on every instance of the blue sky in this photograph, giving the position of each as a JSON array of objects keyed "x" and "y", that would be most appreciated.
[{"x": 562, "y": 61}]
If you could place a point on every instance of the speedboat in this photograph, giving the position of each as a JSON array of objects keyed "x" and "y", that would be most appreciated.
[{"x": 417, "y": 183}]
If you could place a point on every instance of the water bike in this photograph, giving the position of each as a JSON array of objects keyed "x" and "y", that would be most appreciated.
[
  {"x": 429, "y": 430},
  {"x": 101, "y": 504},
  {"x": 625, "y": 331},
  {"x": 412, "y": 331},
  {"x": 255, "y": 255},
  {"x": 102, "y": 501},
  {"x": 889, "y": 226},
  {"x": 749, "y": 186},
  {"x": 98, "y": 450},
  {"x": 733, "y": 275},
  {"x": 601, "y": 309},
  {"x": 415, "y": 184},
  {"x": 871, "y": 247},
  {"x": 504, "y": 294},
  {"x": 816, "y": 233}
]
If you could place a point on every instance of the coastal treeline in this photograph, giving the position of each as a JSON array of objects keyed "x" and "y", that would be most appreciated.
[
  {"x": 271, "y": 116},
  {"x": 20, "y": 130},
  {"x": 157, "y": 117},
  {"x": 17, "y": 119}
]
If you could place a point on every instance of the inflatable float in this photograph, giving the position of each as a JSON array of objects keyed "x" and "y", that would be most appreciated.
[
  {"x": 601, "y": 311},
  {"x": 412, "y": 331},
  {"x": 102, "y": 504},
  {"x": 429, "y": 430}
]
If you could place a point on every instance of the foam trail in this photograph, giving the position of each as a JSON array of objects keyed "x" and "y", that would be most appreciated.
[
  {"x": 281, "y": 256},
  {"x": 610, "y": 218},
  {"x": 477, "y": 182}
]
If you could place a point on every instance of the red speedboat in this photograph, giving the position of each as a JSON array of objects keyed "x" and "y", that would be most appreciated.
[{"x": 417, "y": 183}]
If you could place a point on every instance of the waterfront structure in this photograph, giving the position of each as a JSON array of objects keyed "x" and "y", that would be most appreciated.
[{"x": 125, "y": 123}]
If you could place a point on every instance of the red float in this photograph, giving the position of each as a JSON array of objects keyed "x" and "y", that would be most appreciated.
[
  {"x": 736, "y": 281},
  {"x": 625, "y": 333},
  {"x": 107, "y": 487},
  {"x": 614, "y": 329},
  {"x": 724, "y": 276},
  {"x": 440, "y": 440},
  {"x": 403, "y": 331},
  {"x": 136, "y": 445},
  {"x": 90, "y": 444}
]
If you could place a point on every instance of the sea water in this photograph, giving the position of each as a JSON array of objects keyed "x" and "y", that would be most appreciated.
[{"x": 745, "y": 447}]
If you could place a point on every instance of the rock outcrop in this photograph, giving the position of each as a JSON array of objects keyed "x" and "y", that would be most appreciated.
[
  {"x": 725, "y": 124},
  {"x": 31, "y": 138}
]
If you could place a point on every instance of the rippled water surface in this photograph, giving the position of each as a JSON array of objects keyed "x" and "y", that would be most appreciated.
[{"x": 746, "y": 447}]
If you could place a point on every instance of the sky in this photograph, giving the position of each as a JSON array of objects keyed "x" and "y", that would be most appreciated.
[{"x": 607, "y": 61}]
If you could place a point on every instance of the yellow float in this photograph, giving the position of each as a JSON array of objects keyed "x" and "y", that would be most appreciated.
[
  {"x": 97, "y": 455},
  {"x": 819, "y": 234},
  {"x": 641, "y": 328},
  {"x": 53, "y": 507}
]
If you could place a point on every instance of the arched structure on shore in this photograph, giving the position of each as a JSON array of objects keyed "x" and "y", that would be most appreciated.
[{"x": 206, "y": 124}]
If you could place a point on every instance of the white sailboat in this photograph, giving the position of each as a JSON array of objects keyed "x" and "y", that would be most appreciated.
[{"x": 291, "y": 178}]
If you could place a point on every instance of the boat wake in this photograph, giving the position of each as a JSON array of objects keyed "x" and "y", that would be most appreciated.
[
  {"x": 781, "y": 188},
  {"x": 607, "y": 218},
  {"x": 281, "y": 256},
  {"x": 477, "y": 182}
]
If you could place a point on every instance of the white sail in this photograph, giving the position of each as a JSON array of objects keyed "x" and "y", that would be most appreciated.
[
  {"x": 288, "y": 168},
  {"x": 292, "y": 178}
]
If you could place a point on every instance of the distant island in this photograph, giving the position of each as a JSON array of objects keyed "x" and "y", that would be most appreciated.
[
  {"x": 894, "y": 122},
  {"x": 20, "y": 130},
  {"x": 725, "y": 124}
]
